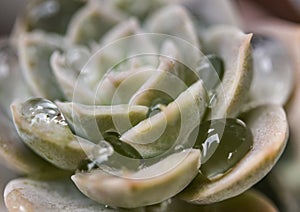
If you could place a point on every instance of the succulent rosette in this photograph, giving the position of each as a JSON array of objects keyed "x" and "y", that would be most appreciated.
[{"x": 135, "y": 105}]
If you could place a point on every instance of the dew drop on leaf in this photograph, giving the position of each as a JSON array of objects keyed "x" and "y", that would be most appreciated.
[
  {"x": 223, "y": 142},
  {"x": 39, "y": 109}
]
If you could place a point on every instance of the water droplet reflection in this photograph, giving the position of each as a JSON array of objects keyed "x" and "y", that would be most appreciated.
[
  {"x": 39, "y": 109},
  {"x": 223, "y": 143}
]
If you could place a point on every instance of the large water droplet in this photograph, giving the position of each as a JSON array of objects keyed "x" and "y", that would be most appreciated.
[
  {"x": 211, "y": 71},
  {"x": 121, "y": 147},
  {"x": 273, "y": 73},
  {"x": 51, "y": 15},
  {"x": 39, "y": 109},
  {"x": 223, "y": 143}
]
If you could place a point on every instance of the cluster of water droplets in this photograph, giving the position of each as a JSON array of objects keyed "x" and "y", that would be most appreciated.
[{"x": 38, "y": 110}]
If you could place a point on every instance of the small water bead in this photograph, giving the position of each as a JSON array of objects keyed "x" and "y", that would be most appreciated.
[
  {"x": 100, "y": 153},
  {"x": 179, "y": 148},
  {"x": 155, "y": 109},
  {"x": 211, "y": 71},
  {"x": 158, "y": 105},
  {"x": 39, "y": 109},
  {"x": 223, "y": 143},
  {"x": 121, "y": 147}
]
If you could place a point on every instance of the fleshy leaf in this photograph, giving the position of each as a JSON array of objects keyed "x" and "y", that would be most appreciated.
[
  {"x": 92, "y": 21},
  {"x": 5, "y": 177},
  {"x": 43, "y": 128},
  {"x": 224, "y": 12},
  {"x": 233, "y": 46},
  {"x": 171, "y": 126},
  {"x": 123, "y": 29},
  {"x": 173, "y": 20},
  {"x": 270, "y": 132},
  {"x": 117, "y": 87},
  {"x": 92, "y": 122},
  {"x": 144, "y": 187},
  {"x": 117, "y": 57},
  {"x": 35, "y": 50},
  {"x": 19, "y": 158},
  {"x": 30, "y": 195},
  {"x": 67, "y": 77},
  {"x": 250, "y": 201},
  {"x": 140, "y": 8},
  {"x": 160, "y": 86}
]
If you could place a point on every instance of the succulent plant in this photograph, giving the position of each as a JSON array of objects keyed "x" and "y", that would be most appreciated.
[{"x": 143, "y": 105}]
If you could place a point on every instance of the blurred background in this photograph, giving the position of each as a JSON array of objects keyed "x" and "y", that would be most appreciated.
[
  {"x": 276, "y": 18},
  {"x": 8, "y": 11}
]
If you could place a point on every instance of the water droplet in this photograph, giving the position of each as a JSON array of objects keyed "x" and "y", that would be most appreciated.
[
  {"x": 100, "y": 153},
  {"x": 158, "y": 104},
  {"x": 209, "y": 147},
  {"x": 121, "y": 147},
  {"x": 211, "y": 71},
  {"x": 223, "y": 143},
  {"x": 155, "y": 109},
  {"x": 271, "y": 63},
  {"x": 179, "y": 148},
  {"x": 39, "y": 109}
]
